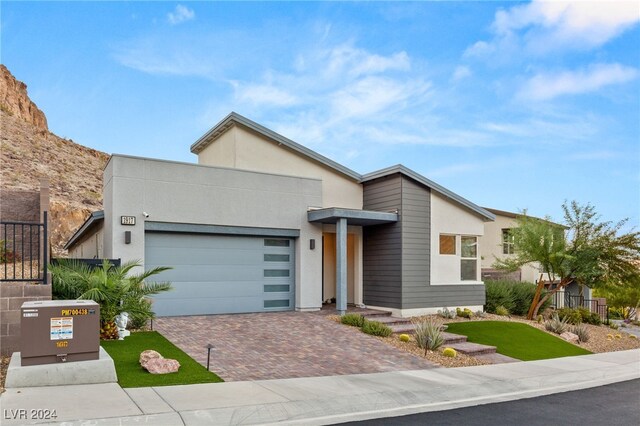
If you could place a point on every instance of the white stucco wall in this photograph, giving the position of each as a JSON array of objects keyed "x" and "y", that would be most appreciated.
[
  {"x": 449, "y": 218},
  {"x": 90, "y": 247},
  {"x": 491, "y": 247},
  {"x": 240, "y": 148},
  {"x": 188, "y": 193}
]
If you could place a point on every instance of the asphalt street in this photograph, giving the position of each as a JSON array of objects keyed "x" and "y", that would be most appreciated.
[{"x": 617, "y": 404}]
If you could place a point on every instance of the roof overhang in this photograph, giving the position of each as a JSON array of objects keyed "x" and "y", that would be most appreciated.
[
  {"x": 483, "y": 213},
  {"x": 354, "y": 217},
  {"x": 236, "y": 119},
  {"x": 93, "y": 220}
]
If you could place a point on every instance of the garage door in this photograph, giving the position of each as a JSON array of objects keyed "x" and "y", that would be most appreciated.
[{"x": 216, "y": 274}]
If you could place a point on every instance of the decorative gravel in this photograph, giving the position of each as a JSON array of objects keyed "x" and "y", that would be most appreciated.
[
  {"x": 601, "y": 339},
  {"x": 4, "y": 364}
]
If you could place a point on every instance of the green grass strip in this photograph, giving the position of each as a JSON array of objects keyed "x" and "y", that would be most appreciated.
[
  {"x": 126, "y": 355},
  {"x": 517, "y": 340}
]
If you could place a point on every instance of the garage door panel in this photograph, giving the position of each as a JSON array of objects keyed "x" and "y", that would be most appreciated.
[
  {"x": 176, "y": 240},
  {"x": 212, "y": 273},
  {"x": 222, "y": 274},
  {"x": 200, "y": 256}
]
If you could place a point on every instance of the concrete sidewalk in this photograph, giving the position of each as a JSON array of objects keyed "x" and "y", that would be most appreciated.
[{"x": 317, "y": 400}]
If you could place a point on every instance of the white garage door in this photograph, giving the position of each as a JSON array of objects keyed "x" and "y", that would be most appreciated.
[{"x": 216, "y": 274}]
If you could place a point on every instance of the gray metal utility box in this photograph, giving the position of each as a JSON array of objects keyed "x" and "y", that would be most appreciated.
[{"x": 59, "y": 331}]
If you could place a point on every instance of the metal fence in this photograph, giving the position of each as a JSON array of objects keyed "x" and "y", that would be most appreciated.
[
  {"x": 92, "y": 263},
  {"x": 562, "y": 299},
  {"x": 23, "y": 251}
]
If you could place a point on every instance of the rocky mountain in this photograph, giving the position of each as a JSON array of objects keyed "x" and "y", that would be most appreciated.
[{"x": 29, "y": 152}]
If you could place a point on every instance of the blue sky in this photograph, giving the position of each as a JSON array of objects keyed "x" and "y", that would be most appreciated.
[{"x": 512, "y": 105}]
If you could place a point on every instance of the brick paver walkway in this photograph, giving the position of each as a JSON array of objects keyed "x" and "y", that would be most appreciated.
[{"x": 282, "y": 345}]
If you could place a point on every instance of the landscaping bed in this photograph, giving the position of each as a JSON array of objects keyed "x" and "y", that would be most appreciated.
[
  {"x": 4, "y": 365},
  {"x": 516, "y": 340},
  {"x": 126, "y": 354}
]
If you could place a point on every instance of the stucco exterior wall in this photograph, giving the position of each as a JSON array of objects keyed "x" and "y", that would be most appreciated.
[
  {"x": 491, "y": 247},
  {"x": 90, "y": 247},
  {"x": 449, "y": 218},
  {"x": 243, "y": 149},
  {"x": 186, "y": 193}
]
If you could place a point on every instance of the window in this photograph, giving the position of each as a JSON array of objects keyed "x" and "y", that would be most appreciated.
[
  {"x": 276, "y": 257},
  {"x": 447, "y": 244},
  {"x": 270, "y": 242},
  {"x": 469, "y": 258},
  {"x": 507, "y": 242},
  {"x": 276, "y": 273}
]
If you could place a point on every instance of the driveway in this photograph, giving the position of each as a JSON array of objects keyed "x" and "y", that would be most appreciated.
[{"x": 282, "y": 345}]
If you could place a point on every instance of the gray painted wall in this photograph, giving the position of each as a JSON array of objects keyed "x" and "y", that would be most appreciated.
[
  {"x": 382, "y": 245},
  {"x": 397, "y": 257},
  {"x": 416, "y": 244}
]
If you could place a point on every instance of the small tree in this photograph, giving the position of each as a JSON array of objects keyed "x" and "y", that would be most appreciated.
[{"x": 592, "y": 253}]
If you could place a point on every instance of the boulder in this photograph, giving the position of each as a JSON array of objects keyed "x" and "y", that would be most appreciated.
[
  {"x": 162, "y": 366},
  {"x": 570, "y": 337},
  {"x": 148, "y": 355}
]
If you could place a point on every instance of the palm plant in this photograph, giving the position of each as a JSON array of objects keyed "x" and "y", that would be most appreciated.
[{"x": 115, "y": 288}]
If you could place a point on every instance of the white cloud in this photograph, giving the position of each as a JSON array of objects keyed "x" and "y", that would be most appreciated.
[
  {"x": 543, "y": 26},
  {"x": 180, "y": 14},
  {"x": 546, "y": 86},
  {"x": 461, "y": 72},
  {"x": 263, "y": 94}
]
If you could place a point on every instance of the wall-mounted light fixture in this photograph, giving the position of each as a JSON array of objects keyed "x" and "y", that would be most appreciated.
[
  {"x": 127, "y": 237},
  {"x": 312, "y": 244}
]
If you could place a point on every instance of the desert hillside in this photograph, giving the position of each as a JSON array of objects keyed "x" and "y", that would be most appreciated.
[{"x": 29, "y": 152}]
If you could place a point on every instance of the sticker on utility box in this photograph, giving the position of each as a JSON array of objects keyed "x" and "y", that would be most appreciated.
[{"x": 62, "y": 328}]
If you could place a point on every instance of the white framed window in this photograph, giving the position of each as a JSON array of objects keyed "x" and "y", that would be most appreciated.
[
  {"x": 507, "y": 241},
  {"x": 468, "y": 258},
  {"x": 447, "y": 244}
]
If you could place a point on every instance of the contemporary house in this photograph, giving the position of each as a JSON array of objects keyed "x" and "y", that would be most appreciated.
[{"x": 262, "y": 223}]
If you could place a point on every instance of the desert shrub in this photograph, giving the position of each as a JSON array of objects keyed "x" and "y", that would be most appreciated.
[
  {"x": 376, "y": 328},
  {"x": 502, "y": 311},
  {"x": 579, "y": 315},
  {"x": 498, "y": 293},
  {"x": 539, "y": 318},
  {"x": 581, "y": 331},
  {"x": 447, "y": 313},
  {"x": 613, "y": 326},
  {"x": 633, "y": 336},
  {"x": 480, "y": 314},
  {"x": 354, "y": 320},
  {"x": 556, "y": 324},
  {"x": 464, "y": 313},
  {"x": 449, "y": 352},
  {"x": 6, "y": 254},
  {"x": 429, "y": 333},
  {"x": 571, "y": 315},
  {"x": 516, "y": 296},
  {"x": 404, "y": 337}
]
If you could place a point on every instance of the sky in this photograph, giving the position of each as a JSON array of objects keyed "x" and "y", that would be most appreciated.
[{"x": 513, "y": 105}]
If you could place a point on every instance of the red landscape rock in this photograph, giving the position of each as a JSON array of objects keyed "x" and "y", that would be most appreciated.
[{"x": 162, "y": 366}]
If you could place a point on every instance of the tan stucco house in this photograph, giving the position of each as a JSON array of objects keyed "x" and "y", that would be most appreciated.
[{"x": 262, "y": 223}]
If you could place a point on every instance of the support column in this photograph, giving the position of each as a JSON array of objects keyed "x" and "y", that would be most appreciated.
[{"x": 341, "y": 266}]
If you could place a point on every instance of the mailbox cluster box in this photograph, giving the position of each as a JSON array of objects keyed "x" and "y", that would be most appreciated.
[{"x": 59, "y": 331}]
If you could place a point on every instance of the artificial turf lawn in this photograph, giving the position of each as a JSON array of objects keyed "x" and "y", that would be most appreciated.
[
  {"x": 517, "y": 340},
  {"x": 126, "y": 355}
]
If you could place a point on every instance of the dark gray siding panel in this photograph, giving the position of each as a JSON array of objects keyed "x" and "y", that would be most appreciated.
[
  {"x": 382, "y": 246},
  {"x": 439, "y": 296},
  {"x": 416, "y": 245}
]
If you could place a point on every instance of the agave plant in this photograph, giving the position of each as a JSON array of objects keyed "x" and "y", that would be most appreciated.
[
  {"x": 429, "y": 333},
  {"x": 115, "y": 288}
]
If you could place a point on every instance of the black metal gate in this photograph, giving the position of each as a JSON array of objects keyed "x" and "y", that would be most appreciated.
[{"x": 23, "y": 251}]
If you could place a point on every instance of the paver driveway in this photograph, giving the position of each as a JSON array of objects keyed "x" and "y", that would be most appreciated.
[{"x": 282, "y": 345}]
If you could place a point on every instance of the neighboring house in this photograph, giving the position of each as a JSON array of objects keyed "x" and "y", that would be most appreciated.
[
  {"x": 496, "y": 243},
  {"x": 262, "y": 224},
  {"x": 86, "y": 242}
]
